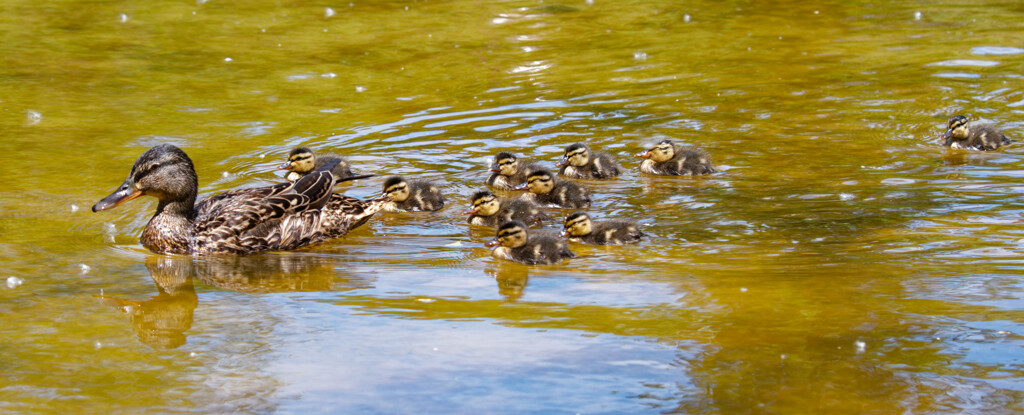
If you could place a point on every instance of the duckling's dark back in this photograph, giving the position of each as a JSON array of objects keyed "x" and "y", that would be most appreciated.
[
  {"x": 543, "y": 250},
  {"x": 613, "y": 232},
  {"x": 423, "y": 195},
  {"x": 566, "y": 194},
  {"x": 521, "y": 210}
]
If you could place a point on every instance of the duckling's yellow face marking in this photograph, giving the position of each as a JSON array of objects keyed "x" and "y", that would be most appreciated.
[
  {"x": 540, "y": 183},
  {"x": 662, "y": 152},
  {"x": 508, "y": 166},
  {"x": 578, "y": 226},
  {"x": 486, "y": 205},
  {"x": 577, "y": 157},
  {"x": 960, "y": 132},
  {"x": 957, "y": 127},
  {"x": 398, "y": 192},
  {"x": 301, "y": 162},
  {"x": 513, "y": 237}
]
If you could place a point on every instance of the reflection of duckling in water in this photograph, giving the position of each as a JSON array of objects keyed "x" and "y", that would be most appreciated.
[
  {"x": 579, "y": 163},
  {"x": 302, "y": 161},
  {"x": 487, "y": 210},
  {"x": 508, "y": 171},
  {"x": 517, "y": 245},
  {"x": 668, "y": 159},
  {"x": 546, "y": 191},
  {"x": 412, "y": 195},
  {"x": 579, "y": 228},
  {"x": 972, "y": 136}
]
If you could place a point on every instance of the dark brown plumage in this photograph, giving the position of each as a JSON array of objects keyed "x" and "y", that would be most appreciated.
[
  {"x": 302, "y": 161},
  {"x": 961, "y": 134},
  {"x": 579, "y": 228},
  {"x": 668, "y": 159},
  {"x": 279, "y": 217},
  {"x": 508, "y": 171},
  {"x": 546, "y": 191},
  {"x": 580, "y": 163},
  {"x": 488, "y": 210},
  {"x": 516, "y": 244},
  {"x": 412, "y": 195}
]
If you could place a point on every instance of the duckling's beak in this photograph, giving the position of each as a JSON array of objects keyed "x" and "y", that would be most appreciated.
[
  {"x": 645, "y": 154},
  {"x": 523, "y": 186},
  {"x": 126, "y": 192},
  {"x": 494, "y": 168},
  {"x": 285, "y": 166},
  {"x": 562, "y": 162},
  {"x": 492, "y": 242},
  {"x": 947, "y": 134},
  {"x": 564, "y": 233},
  {"x": 470, "y": 212}
]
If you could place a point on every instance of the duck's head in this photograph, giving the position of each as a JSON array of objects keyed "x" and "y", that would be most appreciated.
[
  {"x": 661, "y": 152},
  {"x": 575, "y": 155},
  {"x": 484, "y": 204},
  {"x": 956, "y": 128},
  {"x": 512, "y": 234},
  {"x": 164, "y": 172},
  {"x": 301, "y": 160},
  {"x": 538, "y": 181},
  {"x": 396, "y": 188},
  {"x": 576, "y": 224},
  {"x": 505, "y": 163}
]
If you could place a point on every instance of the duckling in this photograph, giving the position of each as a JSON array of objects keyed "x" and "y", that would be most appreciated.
[
  {"x": 241, "y": 221},
  {"x": 412, "y": 195},
  {"x": 545, "y": 190},
  {"x": 517, "y": 245},
  {"x": 302, "y": 161},
  {"x": 489, "y": 211},
  {"x": 507, "y": 172},
  {"x": 579, "y": 228},
  {"x": 668, "y": 159},
  {"x": 972, "y": 136},
  {"x": 579, "y": 163}
]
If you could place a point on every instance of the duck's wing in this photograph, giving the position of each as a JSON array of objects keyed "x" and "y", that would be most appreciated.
[{"x": 224, "y": 219}]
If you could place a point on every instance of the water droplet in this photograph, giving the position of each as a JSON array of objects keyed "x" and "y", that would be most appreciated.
[
  {"x": 192, "y": 354},
  {"x": 815, "y": 12},
  {"x": 122, "y": 17},
  {"x": 97, "y": 345},
  {"x": 360, "y": 88},
  {"x": 328, "y": 75},
  {"x": 225, "y": 174},
  {"x": 917, "y": 15},
  {"x": 227, "y": 59},
  {"x": 84, "y": 268},
  {"x": 860, "y": 346},
  {"x": 74, "y": 208},
  {"x": 328, "y": 12},
  {"x": 640, "y": 56},
  {"x": 590, "y": 2},
  {"x": 33, "y": 117},
  {"x": 743, "y": 289},
  {"x": 14, "y": 282},
  {"x": 686, "y": 18}
]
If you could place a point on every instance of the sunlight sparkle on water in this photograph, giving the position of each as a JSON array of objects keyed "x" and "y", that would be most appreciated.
[{"x": 14, "y": 282}]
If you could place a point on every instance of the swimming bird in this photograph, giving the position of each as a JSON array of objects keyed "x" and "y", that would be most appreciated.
[
  {"x": 488, "y": 210},
  {"x": 302, "y": 161},
  {"x": 412, "y": 195},
  {"x": 972, "y": 136},
  {"x": 579, "y": 163},
  {"x": 508, "y": 171},
  {"x": 669, "y": 159},
  {"x": 241, "y": 221},
  {"x": 514, "y": 243},
  {"x": 546, "y": 191},
  {"x": 579, "y": 228}
]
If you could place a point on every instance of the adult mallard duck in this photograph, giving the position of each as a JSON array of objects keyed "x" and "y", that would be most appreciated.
[
  {"x": 508, "y": 171},
  {"x": 516, "y": 244},
  {"x": 546, "y": 191},
  {"x": 488, "y": 210},
  {"x": 412, "y": 195},
  {"x": 302, "y": 161},
  {"x": 579, "y": 163},
  {"x": 242, "y": 221},
  {"x": 668, "y": 159},
  {"x": 579, "y": 228},
  {"x": 972, "y": 136}
]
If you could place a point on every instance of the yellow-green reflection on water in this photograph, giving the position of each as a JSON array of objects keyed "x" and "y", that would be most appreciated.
[{"x": 843, "y": 262}]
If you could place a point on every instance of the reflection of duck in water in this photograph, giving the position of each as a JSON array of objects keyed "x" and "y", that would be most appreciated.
[
  {"x": 961, "y": 134},
  {"x": 162, "y": 321},
  {"x": 511, "y": 278},
  {"x": 279, "y": 217}
]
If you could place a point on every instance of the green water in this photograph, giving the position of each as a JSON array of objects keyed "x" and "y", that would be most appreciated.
[{"x": 843, "y": 262}]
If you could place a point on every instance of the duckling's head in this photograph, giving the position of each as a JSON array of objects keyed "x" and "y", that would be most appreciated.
[
  {"x": 301, "y": 160},
  {"x": 505, "y": 163},
  {"x": 538, "y": 181},
  {"x": 397, "y": 188},
  {"x": 164, "y": 172},
  {"x": 484, "y": 204},
  {"x": 661, "y": 152},
  {"x": 512, "y": 234},
  {"x": 956, "y": 128},
  {"x": 577, "y": 155},
  {"x": 576, "y": 224}
]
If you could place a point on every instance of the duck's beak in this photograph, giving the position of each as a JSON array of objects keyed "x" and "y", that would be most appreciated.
[
  {"x": 126, "y": 192},
  {"x": 285, "y": 166},
  {"x": 492, "y": 242},
  {"x": 644, "y": 154}
]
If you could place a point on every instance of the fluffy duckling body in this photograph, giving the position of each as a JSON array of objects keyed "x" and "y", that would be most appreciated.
[
  {"x": 302, "y": 161},
  {"x": 412, "y": 195},
  {"x": 579, "y": 228},
  {"x": 488, "y": 210},
  {"x": 508, "y": 171},
  {"x": 668, "y": 159},
  {"x": 514, "y": 243},
  {"x": 580, "y": 163},
  {"x": 241, "y": 221},
  {"x": 545, "y": 190},
  {"x": 961, "y": 134}
]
